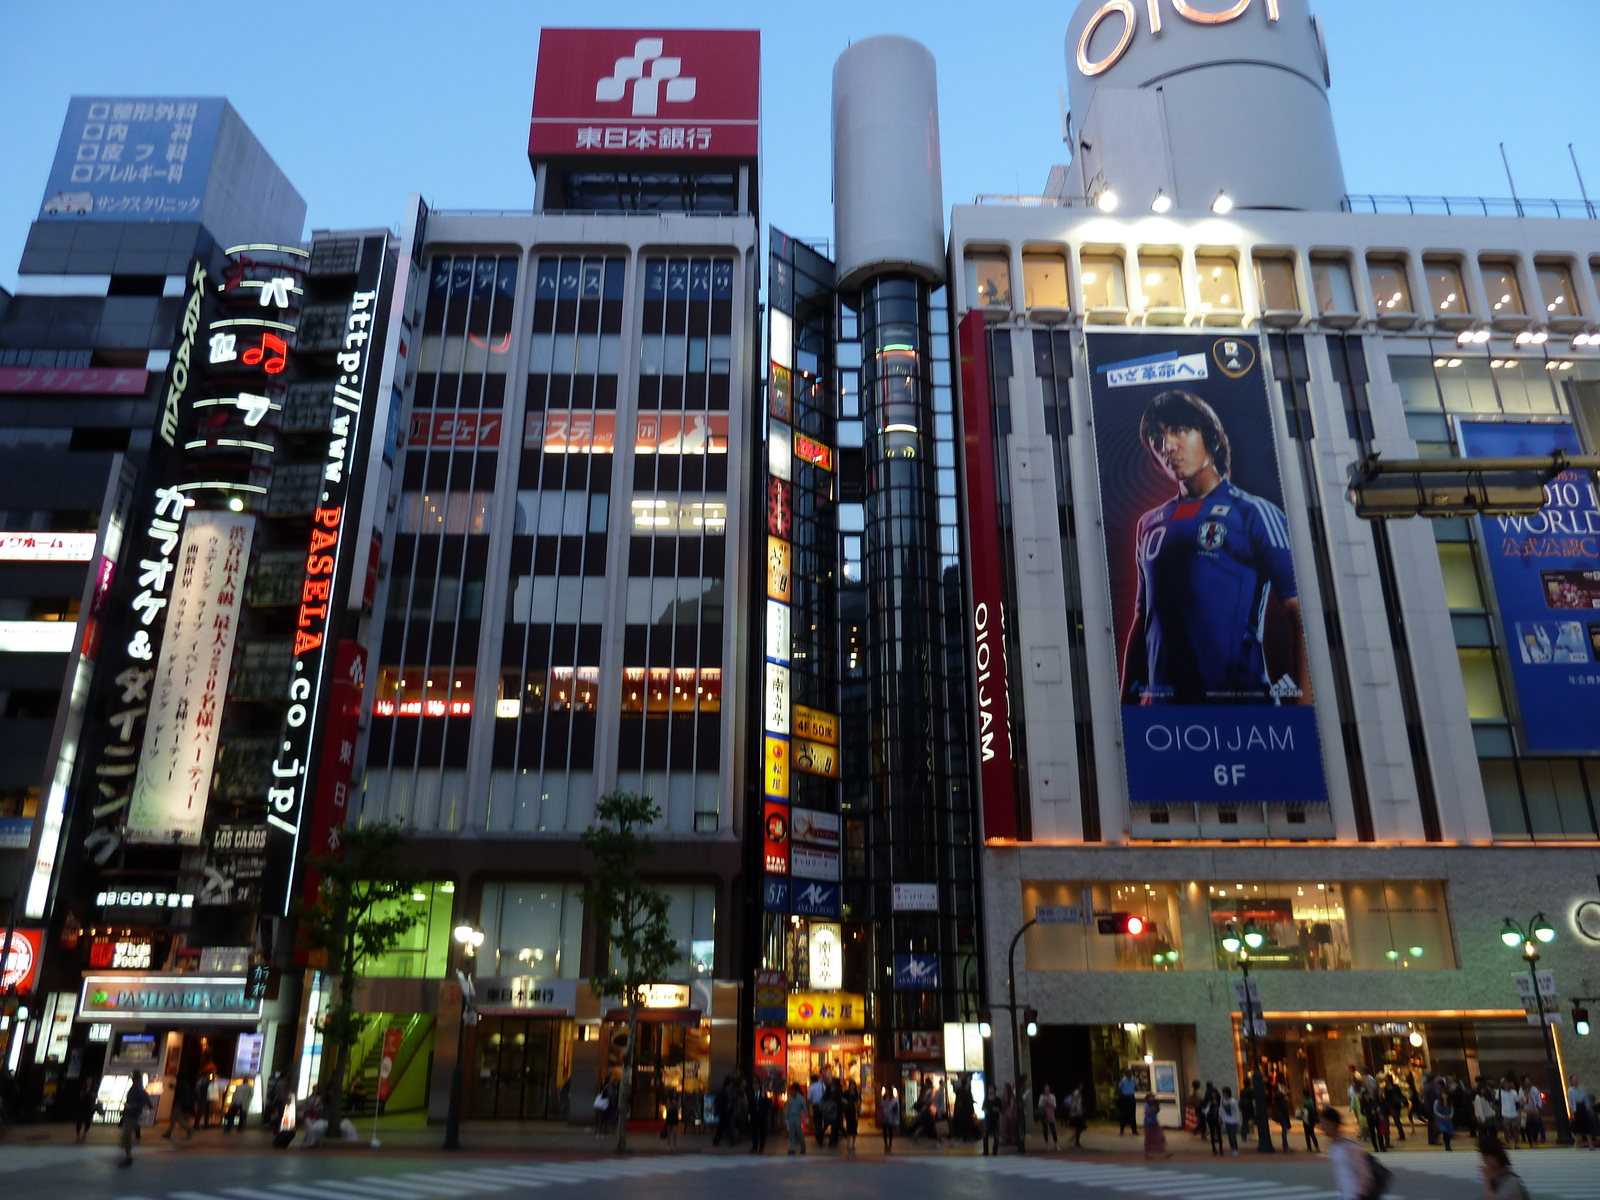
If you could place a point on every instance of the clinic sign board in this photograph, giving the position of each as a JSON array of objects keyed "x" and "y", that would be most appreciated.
[
  {"x": 1546, "y": 573},
  {"x": 647, "y": 93},
  {"x": 133, "y": 158},
  {"x": 1215, "y": 694}
]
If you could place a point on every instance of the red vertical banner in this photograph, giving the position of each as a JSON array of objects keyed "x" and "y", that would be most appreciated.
[
  {"x": 391, "y": 1051},
  {"x": 338, "y": 756},
  {"x": 987, "y": 619}
]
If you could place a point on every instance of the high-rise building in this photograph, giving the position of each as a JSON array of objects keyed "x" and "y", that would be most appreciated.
[
  {"x": 559, "y": 576},
  {"x": 1235, "y": 723}
]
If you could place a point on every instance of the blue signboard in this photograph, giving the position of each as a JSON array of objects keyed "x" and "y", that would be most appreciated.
[
  {"x": 916, "y": 972},
  {"x": 15, "y": 832},
  {"x": 1215, "y": 691},
  {"x": 132, "y": 159},
  {"x": 1546, "y": 572},
  {"x": 813, "y": 899},
  {"x": 775, "y": 896}
]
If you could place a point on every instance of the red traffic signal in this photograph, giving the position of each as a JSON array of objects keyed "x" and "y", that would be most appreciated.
[{"x": 1123, "y": 923}]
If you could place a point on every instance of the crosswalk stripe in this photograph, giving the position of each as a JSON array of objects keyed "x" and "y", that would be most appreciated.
[
  {"x": 325, "y": 1190},
  {"x": 388, "y": 1191},
  {"x": 248, "y": 1194},
  {"x": 192, "y": 1196},
  {"x": 417, "y": 1183},
  {"x": 458, "y": 1179}
]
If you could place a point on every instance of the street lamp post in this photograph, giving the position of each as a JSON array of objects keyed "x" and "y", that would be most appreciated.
[
  {"x": 1540, "y": 931},
  {"x": 1239, "y": 945},
  {"x": 470, "y": 939},
  {"x": 1016, "y": 1037}
]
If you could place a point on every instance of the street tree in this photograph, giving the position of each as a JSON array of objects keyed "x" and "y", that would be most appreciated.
[
  {"x": 360, "y": 913},
  {"x": 640, "y": 948}
]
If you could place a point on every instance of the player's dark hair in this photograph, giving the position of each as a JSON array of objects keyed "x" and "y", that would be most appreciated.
[{"x": 1184, "y": 410}]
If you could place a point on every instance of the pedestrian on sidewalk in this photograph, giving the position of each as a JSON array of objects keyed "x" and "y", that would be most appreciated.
[
  {"x": 1444, "y": 1119},
  {"x": 794, "y": 1117},
  {"x": 602, "y": 1104},
  {"x": 1581, "y": 1105},
  {"x": 760, "y": 1120},
  {"x": 1308, "y": 1124},
  {"x": 1047, "y": 1118},
  {"x": 850, "y": 1112},
  {"x": 1212, "y": 1111},
  {"x": 1483, "y": 1112},
  {"x": 182, "y": 1109},
  {"x": 991, "y": 1121},
  {"x": 1282, "y": 1114},
  {"x": 1532, "y": 1112},
  {"x": 1008, "y": 1117},
  {"x": 1155, "y": 1138},
  {"x": 1510, "y": 1106},
  {"x": 1024, "y": 1113},
  {"x": 1197, "y": 1103},
  {"x": 239, "y": 1107},
  {"x": 87, "y": 1107},
  {"x": 1127, "y": 1102},
  {"x": 814, "y": 1095},
  {"x": 1077, "y": 1116},
  {"x": 669, "y": 1126},
  {"x": 133, "y": 1106},
  {"x": 1231, "y": 1118},
  {"x": 889, "y": 1120},
  {"x": 1356, "y": 1174},
  {"x": 722, "y": 1109},
  {"x": 1500, "y": 1182}
]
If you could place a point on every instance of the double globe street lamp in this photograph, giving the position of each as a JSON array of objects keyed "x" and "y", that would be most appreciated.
[
  {"x": 470, "y": 938},
  {"x": 1539, "y": 932},
  {"x": 1240, "y": 943}
]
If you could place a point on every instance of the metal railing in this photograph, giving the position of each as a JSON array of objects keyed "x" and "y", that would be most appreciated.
[
  {"x": 574, "y": 212},
  {"x": 1471, "y": 206},
  {"x": 1010, "y": 201}
]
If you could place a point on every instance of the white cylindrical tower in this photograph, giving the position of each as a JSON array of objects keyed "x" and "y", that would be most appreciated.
[
  {"x": 888, "y": 205},
  {"x": 1233, "y": 93}
]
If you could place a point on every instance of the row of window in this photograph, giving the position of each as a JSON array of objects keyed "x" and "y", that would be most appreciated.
[
  {"x": 1310, "y": 925},
  {"x": 1102, "y": 285}
]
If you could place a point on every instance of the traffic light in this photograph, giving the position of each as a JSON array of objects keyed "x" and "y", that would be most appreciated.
[
  {"x": 985, "y": 1023},
  {"x": 1580, "y": 1021},
  {"x": 1124, "y": 923},
  {"x": 1030, "y": 1021}
]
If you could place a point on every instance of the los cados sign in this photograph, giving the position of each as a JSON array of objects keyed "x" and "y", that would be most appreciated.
[{"x": 1130, "y": 25}]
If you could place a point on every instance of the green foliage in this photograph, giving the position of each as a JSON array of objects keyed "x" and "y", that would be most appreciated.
[{"x": 641, "y": 942}]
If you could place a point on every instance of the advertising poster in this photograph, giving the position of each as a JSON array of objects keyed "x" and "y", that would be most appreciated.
[
  {"x": 916, "y": 972},
  {"x": 1546, "y": 573},
  {"x": 775, "y": 838},
  {"x": 772, "y": 1049},
  {"x": 1215, "y": 689},
  {"x": 132, "y": 159},
  {"x": 810, "y": 862},
  {"x": 180, "y": 749}
]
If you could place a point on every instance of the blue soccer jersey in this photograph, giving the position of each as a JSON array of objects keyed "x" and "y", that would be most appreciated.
[{"x": 1206, "y": 568}]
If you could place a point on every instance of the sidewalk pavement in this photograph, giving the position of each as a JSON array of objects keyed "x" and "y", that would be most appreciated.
[{"x": 409, "y": 1133}]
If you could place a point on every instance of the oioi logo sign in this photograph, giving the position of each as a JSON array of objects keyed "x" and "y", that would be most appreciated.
[{"x": 1130, "y": 25}]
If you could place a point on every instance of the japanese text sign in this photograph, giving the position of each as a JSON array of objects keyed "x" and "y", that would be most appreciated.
[{"x": 132, "y": 159}]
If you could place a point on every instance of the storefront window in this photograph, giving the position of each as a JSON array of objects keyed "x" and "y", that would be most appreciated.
[
  {"x": 1275, "y": 281},
  {"x": 1390, "y": 292},
  {"x": 1445, "y": 290},
  {"x": 1102, "y": 282},
  {"x": 1219, "y": 282},
  {"x": 1161, "y": 280},
  {"x": 423, "y": 951},
  {"x": 989, "y": 281},
  {"x": 1360, "y": 926},
  {"x": 532, "y": 929},
  {"x": 1082, "y": 947},
  {"x": 1500, "y": 283},
  {"x": 1331, "y": 279},
  {"x": 1044, "y": 281}
]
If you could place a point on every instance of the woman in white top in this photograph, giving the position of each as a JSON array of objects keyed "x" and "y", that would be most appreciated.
[
  {"x": 1581, "y": 1105},
  {"x": 1352, "y": 1174}
]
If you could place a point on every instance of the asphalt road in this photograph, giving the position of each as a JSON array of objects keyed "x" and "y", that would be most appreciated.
[{"x": 214, "y": 1173}]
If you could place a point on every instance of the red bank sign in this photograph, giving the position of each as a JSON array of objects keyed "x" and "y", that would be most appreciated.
[{"x": 647, "y": 92}]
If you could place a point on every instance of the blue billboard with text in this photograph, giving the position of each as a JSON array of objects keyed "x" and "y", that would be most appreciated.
[
  {"x": 1546, "y": 573},
  {"x": 132, "y": 158},
  {"x": 1215, "y": 687}
]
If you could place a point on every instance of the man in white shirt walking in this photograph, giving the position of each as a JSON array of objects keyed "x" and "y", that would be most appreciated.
[{"x": 1352, "y": 1170}]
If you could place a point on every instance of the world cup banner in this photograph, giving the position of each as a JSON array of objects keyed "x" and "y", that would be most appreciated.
[
  {"x": 1215, "y": 689},
  {"x": 191, "y": 680}
]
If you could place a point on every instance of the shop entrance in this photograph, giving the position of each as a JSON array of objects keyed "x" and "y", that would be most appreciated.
[
  {"x": 524, "y": 1068},
  {"x": 674, "y": 1056},
  {"x": 841, "y": 1056}
]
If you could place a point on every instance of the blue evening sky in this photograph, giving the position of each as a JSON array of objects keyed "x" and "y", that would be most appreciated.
[{"x": 362, "y": 102}]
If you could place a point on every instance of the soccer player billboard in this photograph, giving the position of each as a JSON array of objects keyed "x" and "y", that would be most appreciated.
[{"x": 1215, "y": 691}]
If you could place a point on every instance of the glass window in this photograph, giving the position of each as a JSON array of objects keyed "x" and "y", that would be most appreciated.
[
  {"x": 532, "y": 929},
  {"x": 1332, "y": 926},
  {"x": 1555, "y": 289},
  {"x": 1219, "y": 282},
  {"x": 989, "y": 280},
  {"x": 1467, "y": 384},
  {"x": 1331, "y": 279},
  {"x": 1044, "y": 281},
  {"x": 1275, "y": 280},
  {"x": 1482, "y": 682},
  {"x": 1527, "y": 385},
  {"x": 1445, "y": 290},
  {"x": 660, "y": 515},
  {"x": 1419, "y": 387},
  {"x": 1462, "y": 591},
  {"x": 1103, "y": 285},
  {"x": 423, "y": 950},
  {"x": 1390, "y": 292},
  {"x": 1161, "y": 280},
  {"x": 1084, "y": 948},
  {"x": 1500, "y": 284}
]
